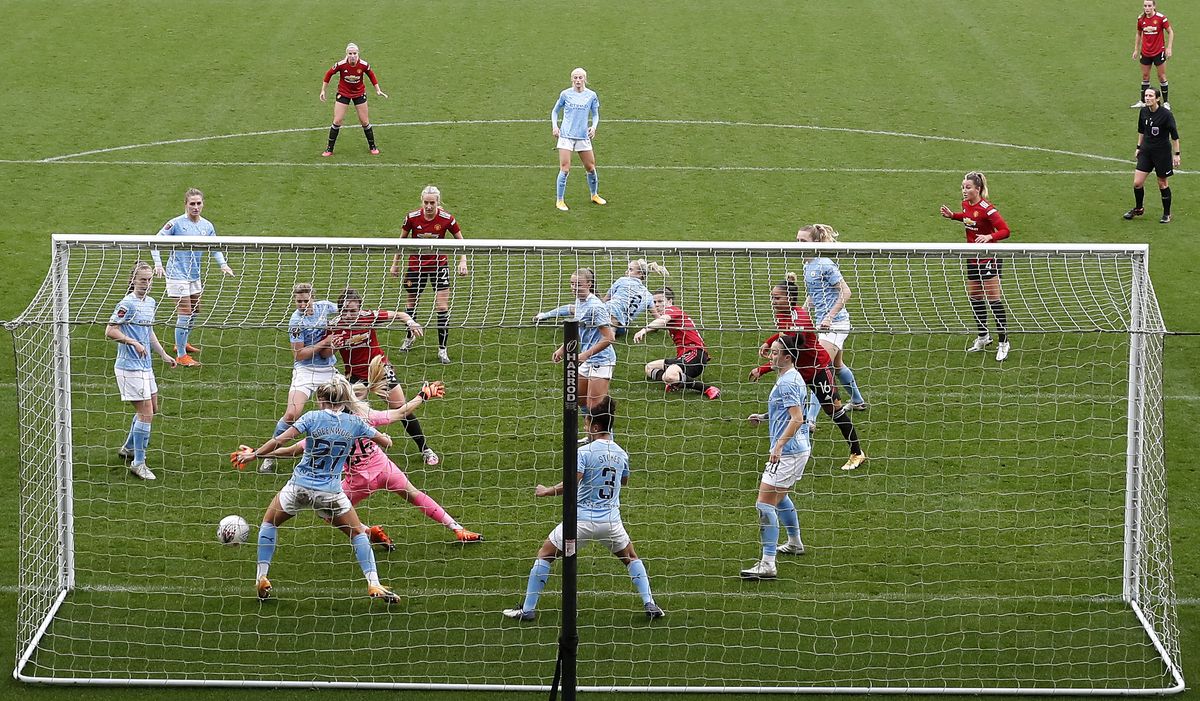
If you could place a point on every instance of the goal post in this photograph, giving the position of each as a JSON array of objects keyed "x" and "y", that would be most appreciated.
[{"x": 1008, "y": 532}]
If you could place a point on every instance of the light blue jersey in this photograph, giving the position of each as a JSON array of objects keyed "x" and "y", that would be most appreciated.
[
  {"x": 136, "y": 318},
  {"x": 185, "y": 265},
  {"x": 310, "y": 329},
  {"x": 627, "y": 299},
  {"x": 789, "y": 391},
  {"x": 576, "y": 107},
  {"x": 593, "y": 315},
  {"x": 821, "y": 278},
  {"x": 604, "y": 465},
  {"x": 330, "y": 437}
]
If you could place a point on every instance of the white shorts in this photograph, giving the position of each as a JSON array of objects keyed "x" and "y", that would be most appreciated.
[
  {"x": 837, "y": 334},
  {"x": 306, "y": 379},
  {"x": 786, "y": 472},
  {"x": 293, "y": 499},
  {"x": 183, "y": 288},
  {"x": 596, "y": 372},
  {"x": 574, "y": 144},
  {"x": 136, "y": 385},
  {"x": 610, "y": 534}
]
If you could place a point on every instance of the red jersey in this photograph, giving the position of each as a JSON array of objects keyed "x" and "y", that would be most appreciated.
[
  {"x": 1152, "y": 29},
  {"x": 683, "y": 331},
  {"x": 358, "y": 357},
  {"x": 350, "y": 82},
  {"x": 981, "y": 219},
  {"x": 416, "y": 226},
  {"x": 812, "y": 356}
]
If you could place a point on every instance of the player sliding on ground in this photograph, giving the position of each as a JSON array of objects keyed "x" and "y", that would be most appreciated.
[
  {"x": 603, "y": 470},
  {"x": 332, "y": 434},
  {"x": 684, "y": 370},
  {"x": 369, "y": 470}
]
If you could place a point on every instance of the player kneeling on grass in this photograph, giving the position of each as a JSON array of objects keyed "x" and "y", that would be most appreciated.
[
  {"x": 684, "y": 370},
  {"x": 369, "y": 470},
  {"x": 316, "y": 482},
  {"x": 603, "y": 470},
  {"x": 790, "y": 448}
]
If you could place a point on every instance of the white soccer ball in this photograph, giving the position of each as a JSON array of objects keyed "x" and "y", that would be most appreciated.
[{"x": 233, "y": 530}]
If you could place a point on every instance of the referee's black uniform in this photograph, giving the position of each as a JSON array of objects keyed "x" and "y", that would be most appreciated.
[{"x": 1158, "y": 130}]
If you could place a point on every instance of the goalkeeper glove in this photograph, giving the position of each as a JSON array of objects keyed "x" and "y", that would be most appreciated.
[{"x": 435, "y": 390}]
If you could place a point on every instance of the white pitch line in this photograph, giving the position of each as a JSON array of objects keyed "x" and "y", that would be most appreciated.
[
  {"x": 874, "y": 132},
  {"x": 521, "y": 166},
  {"x": 306, "y": 591},
  {"x": 270, "y": 132},
  {"x": 674, "y": 122}
]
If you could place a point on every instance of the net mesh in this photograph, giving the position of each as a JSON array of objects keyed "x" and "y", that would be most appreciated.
[{"x": 982, "y": 546}]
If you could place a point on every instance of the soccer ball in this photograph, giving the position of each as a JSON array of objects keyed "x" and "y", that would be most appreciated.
[{"x": 233, "y": 530}]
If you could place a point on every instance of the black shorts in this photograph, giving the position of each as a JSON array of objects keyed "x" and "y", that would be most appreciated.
[
  {"x": 389, "y": 378},
  {"x": 356, "y": 100},
  {"x": 980, "y": 270},
  {"x": 824, "y": 386},
  {"x": 692, "y": 362},
  {"x": 1157, "y": 160},
  {"x": 416, "y": 280},
  {"x": 1157, "y": 60}
]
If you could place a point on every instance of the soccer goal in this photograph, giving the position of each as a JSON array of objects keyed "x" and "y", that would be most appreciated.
[{"x": 1008, "y": 532}]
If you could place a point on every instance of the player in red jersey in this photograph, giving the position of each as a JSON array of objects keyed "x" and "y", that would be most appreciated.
[
  {"x": 684, "y": 370},
  {"x": 983, "y": 224},
  {"x": 354, "y": 337},
  {"x": 430, "y": 222},
  {"x": 351, "y": 88},
  {"x": 812, "y": 362},
  {"x": 1149, "y": 47}
]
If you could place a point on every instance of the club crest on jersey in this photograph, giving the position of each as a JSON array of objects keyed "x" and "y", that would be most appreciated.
[{"x": 437, "y": 228}]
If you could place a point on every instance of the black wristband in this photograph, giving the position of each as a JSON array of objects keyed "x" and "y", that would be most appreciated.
[
  {"x": 1138, "y": 147},
  {"x": 1177, "y": 153}
]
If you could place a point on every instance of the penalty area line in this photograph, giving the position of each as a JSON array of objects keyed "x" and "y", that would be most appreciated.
[
  {"x": 661, "y": 122},
  {"x": 525, "y": 166}
]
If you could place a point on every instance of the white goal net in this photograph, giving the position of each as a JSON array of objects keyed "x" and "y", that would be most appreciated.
[{"x": 1007, "y": 532}]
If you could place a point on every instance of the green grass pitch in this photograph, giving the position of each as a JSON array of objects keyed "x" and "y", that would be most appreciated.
[{"x": 722, "y": 121}]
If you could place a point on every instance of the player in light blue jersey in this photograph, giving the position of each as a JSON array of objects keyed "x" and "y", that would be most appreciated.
[
  {"x": 577, "y": 103},
  {"x": 132, "y": 326},
  {"x": 828, "y": 293},
  {"x": 597, "y": 358},
  {"x": 603, "y": 470},
  {"x": 790, "y": 448},
  {"x": 331, "y": 434},
  {"x": 627, "y": 298},
  {"x": 183, "y": 271},
  {"x": 314, "y": 361}
]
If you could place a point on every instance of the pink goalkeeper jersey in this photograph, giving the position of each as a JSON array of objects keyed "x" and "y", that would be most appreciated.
[{"x": 367, "y": 458}]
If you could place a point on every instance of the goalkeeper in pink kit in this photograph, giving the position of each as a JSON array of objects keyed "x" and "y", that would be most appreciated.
[{"x": 368, "y": 469}]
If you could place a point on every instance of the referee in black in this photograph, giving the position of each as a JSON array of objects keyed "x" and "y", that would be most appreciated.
[{"x": 1157, "y": 150}]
